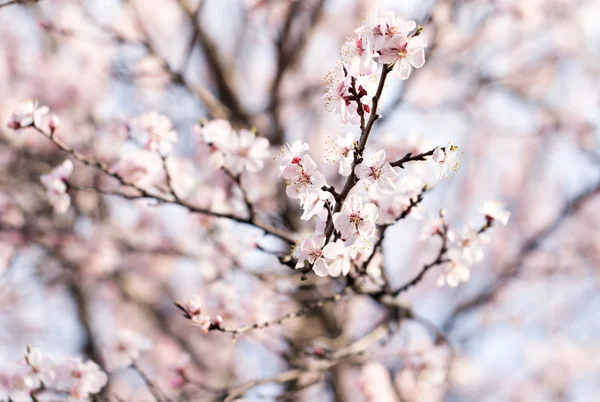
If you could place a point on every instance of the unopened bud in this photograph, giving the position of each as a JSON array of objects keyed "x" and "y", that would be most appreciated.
[{"x": 54, "y": 123}]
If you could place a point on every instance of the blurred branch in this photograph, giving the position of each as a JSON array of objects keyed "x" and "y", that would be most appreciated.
[
  {"x": 514, "y": 268},
  {"x": 13, "y": 2},
  {"x": 219, "y": 71}
]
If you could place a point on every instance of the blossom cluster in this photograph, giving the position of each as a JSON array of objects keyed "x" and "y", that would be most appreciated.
[
  {"x": 383, "y": 39},
  {"x": 78, "y": 378},
  {"x": 237, "y": 151},
  {"x": 192, "y": 310}
]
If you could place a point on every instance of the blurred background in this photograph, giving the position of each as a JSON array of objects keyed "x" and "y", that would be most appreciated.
[{"x": 515, "y": 84}]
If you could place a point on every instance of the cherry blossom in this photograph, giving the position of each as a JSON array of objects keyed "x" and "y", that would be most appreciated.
[
  {"x": 471, "y": 243},
  {"x": 447, "y": 160},
  {"x": 304, "y": 178},
  {"x": 193, "y": 310},
  {"x": 338, "y": 95},
  {"x": 56, "y": 186},
  {"x": 41, "y": 369},
  {"x": 404, "y": 54},
  {"x": 357, "y": 53},
  {"x": 246, "y": 152},
  {"x": 154, "y": 132},
  {"x": 124, "y": 349},
  {"x": 82, "y": 379},
  {"x": 383, "y": 26},
  {"x": 375, "y": 170},
  {"x": 289, "y": 156},
  {"x": 314, "y": 203},
  {"x": 342, "y": 151},
  {"x": 355, "y": 218},
  {"x": 140, "y": 167},
  {"x": 27, "y": 114},
  {"x": 494, "y": 210},
  {"x": 331, "y": 260},
  {"x": 455, "y": 270},
  {"x": 217, "y": 135}
]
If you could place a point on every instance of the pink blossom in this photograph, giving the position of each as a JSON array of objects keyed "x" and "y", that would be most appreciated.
[
  {"x": 494, "y": 210},
  {"x": 289, "y": 156},
  {"x": 384, "y": 26},
  {"x": 246, "y": 152},
  {"x": 41, "y": 369},
  {"x": 140, "y": 167},
  {"x": 154, "y": 132},
  {"x": 82, "y": 379},
  {"x": 354, "y": 218},
  {"x": 217, "y": 135},
  {"x": 314, "y": 203},
  {"x": 124, "y": 349},
  {"x": 342, "y": 151},
  {"x": 56, "y": 186},
  {"x": 304, "y": 179},
  {"x": 456, "y": 270},
  {"x": 405, "y": 54},
  {"x": 375, "y": 170},
  {"x": 357, "y": 53},
  {"x": 29, "y": 113}
]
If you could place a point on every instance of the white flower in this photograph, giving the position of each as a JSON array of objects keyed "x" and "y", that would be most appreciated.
[
  {"x": 81, "y": 378},
  {"x": 304, "y": 178},
  {"x": 354, "y": 218},
  {"x": 124, "y": 349},
  {"x": 29, "y": 113},
  {"x": 154, "y": 132},
  {"x": 375, "y": 170},
  {"x": 246, "y": 152},
  {"x": 56, "y": 186},
  {"x": 357, "y": 53},
  {"x": 331, "y": 260},
  {"x": 289, "y": 156},
  {"x": 338, "y": 258},
  {"x": 383, "y": 26},
  {"x": 41, "y": 369},
  {"x": 217, "y": 135},
  {"x": 470, "y": 243},
  {"x": 405, "y": 54},
  {"x": 342, "y": 151},
  {"x": 494, "y": 210},
  {"x": 140, "y": 167},
  {"x": 314, "y": 203},
  {"x": 447, "y": 160},
  {"x": 456, "y": 270}
]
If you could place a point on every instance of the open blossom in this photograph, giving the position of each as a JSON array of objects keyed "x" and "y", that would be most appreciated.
[
  {"x": 27, "y": 114},
  {"x": 217, "y": 135},
  {"x": 56, "y": 186},
  {"x": 40, "y": 369},
  {"x": 447, "y": 160},
  {"x": 154, "y": 132},
  {"x": 494, "y": 210},
  {"x": 355, "y": 218},
  {"x": 140, "y": 167},
  {"x": 405, "y": 54},
  {"x": 455, "y": 270},
  {"x": 357, "y": 53},
  {"x": 392, "y": 206},
  {"x": 80, "y": 378},
  {"x": 124, "y": 349},
  {"x": 331, "y": 260},
  {"x": 304, "y": 179},
  {"x": 246, "y": 152},
  {"x": 289, "y": 156},
  {"x": 375, "y": 170},
  {"x": 342, "y": 151},
  {"x": 383, "y": 26},
  {"x": 314, "y": 203},
  {"x": 471, "y": 243},
  {"x": 338, "y": 97}
]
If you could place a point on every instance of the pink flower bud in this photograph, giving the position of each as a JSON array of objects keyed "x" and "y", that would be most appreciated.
[{"x": 54, "y": 123}]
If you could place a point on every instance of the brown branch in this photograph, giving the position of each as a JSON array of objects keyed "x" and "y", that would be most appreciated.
[{"x": 143, "y": 193}]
